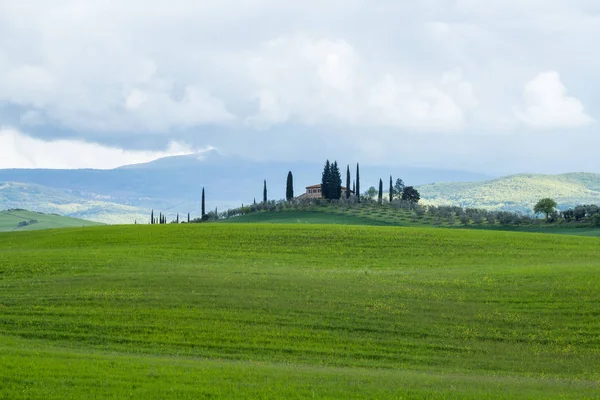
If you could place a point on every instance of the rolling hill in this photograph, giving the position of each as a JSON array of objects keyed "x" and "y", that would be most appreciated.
[
  {"x": 22, "y": 220},
  {"x": 516, "y": 192},
  {"x": 71, "y": 203},
  {"x": 174, "y": 185}
]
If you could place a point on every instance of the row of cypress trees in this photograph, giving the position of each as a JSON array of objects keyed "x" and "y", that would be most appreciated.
[{"x": 162, "y": 219}]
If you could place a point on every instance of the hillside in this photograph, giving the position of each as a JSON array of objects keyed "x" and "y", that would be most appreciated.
[
  {"x": 21, "y": 220},
  {"x": 70, "y": 203},
  {"x": 174, "y": 185},
  {"x": 303, "y": 311},
  {"x": 517, "y": 192}
]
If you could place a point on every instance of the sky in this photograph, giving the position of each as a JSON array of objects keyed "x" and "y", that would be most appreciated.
[{"x": 495, "y": 86}]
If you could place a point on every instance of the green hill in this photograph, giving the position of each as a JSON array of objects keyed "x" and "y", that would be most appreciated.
[
  {"x": 517, "y": 192},
  {"x": 21, "y": 220},
  {"x": 373, "y": 214},
  {"x": 297, "y": 311},
  {"x": 74, "y": 204}
]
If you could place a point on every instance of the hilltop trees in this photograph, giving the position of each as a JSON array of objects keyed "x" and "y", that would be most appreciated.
[
  {"x": 203, "y": 205},
  {"x": 347, "y": 181},
  {"x": 546, "y": 206},
  {"x": 289, "y": 187},
  {"x": 399, "y": 188},
  {"x": 380, "y": 196},
  {"x": 411, "y": 194},
  {"x": 331, "y": 181},
  {"x": 265, "y": 192},
  {"x": 391, "y": 190},
  {"x": 357, "y": 191}
]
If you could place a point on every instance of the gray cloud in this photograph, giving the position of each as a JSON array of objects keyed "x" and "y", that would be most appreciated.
[{"x": 436, "y": 81}]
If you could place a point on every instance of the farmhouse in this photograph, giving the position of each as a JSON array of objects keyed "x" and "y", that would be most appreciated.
[{"x": 314, "y": 191}]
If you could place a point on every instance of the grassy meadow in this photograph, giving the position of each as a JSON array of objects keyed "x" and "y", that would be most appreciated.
[
  {"x": 22, "y": 220},
  {"x": 297, "y": 311}
]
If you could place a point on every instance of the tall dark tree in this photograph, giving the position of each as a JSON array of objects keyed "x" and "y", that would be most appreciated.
[
  {"x": 289, "y": 187},
  {"x": 347, "y": 181},
  {"x": 188, "y": 218},
  {"x": 411, "y": 194},
  {"x": 399, "y": 188},
  {"x": 380, "y": 195},
  {"x": 203, "y": 204},
  {"x": 326, "y": 180},
  {"x": 152, "y": 217},
  {"x": 357, "y": 191},
  {"x": 391, "y": 190},
  {"x": 177, "y": 220},
  {"x": 335, "y": 188},
  {"x": 265, "y": 192},
  {"x": 160, "y": 218}
]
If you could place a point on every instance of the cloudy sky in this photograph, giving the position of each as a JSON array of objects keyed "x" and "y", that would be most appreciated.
[{"x": 495, "y": 86}]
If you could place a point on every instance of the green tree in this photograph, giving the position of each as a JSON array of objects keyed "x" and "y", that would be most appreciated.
[
  {"x": 347, "y": 181},
  {"x": 545, "y": 206},
  {"x": 399, "y": 188},
  {"x": 411, "y": 194},
  {"x": 265, "y": 192},
  {"x": 326, "y": 180},
  {"x": 177, "y": 220},
  {"x": 152, "y": 217},
  {"x": 380, "y": 195},
  {"x": 391, "y": 190},
  {"x": 289, "y": 187},
  {"x": 335, "y": 188},
  {"x": 357, "y": 191},
  {"x": 188, "y": 218},
  {"x": 371, "y": 192},
  {"x": 203, "y": 205}
]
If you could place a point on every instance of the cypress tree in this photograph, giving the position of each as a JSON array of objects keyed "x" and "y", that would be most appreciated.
[
  {"x": 391, "y": 190},
  {"x": 177, "y": 218},
  {"x": 336, "y": 182},
  {"x": 188, "y": 218},
  {"x": 265, "y": 193},
  {"x": 326, "y": 181},
  {"x": 347, "y": 181},
  {"x": 203, "y": 205},
  {"x": 380, "y": 196},
  {"x": 289, "y": 187},
  {"x": 357, "y": 183},
  {"x": 152, "y": 217},
  {"x": 160, "y": 218}
]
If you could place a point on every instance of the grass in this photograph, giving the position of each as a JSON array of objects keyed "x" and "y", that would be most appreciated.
[
  {"x": 297, "y": 311},
  {"x": 10, "y": 220}
]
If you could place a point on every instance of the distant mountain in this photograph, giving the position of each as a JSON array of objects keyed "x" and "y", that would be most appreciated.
[
  {"x": 516, "y": 192},
  {"x": 22, "y": 220},
  {"x": 174, "y": 184}
]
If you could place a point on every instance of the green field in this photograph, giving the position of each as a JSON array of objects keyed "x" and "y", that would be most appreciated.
[
  {"x": 31, "y": 220},
  {"x": 297, "y": 311}
]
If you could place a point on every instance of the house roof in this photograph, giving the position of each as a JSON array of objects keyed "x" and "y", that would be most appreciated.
[{"x": 319, "y": 187}]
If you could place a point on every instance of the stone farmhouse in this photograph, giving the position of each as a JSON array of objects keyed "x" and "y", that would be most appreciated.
[{"x": 314, "y": 191}]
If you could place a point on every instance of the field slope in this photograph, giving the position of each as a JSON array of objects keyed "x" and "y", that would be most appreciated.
[
  {"x": 297, "y": 311},
  {"x": 21, "y": 220}
]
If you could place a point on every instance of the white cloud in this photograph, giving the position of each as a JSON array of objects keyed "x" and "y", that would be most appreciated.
[
  {"x": 547, "y": 105},
  {"x": 18, "y": 150},
  {"x": 312, "y": 81}
]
